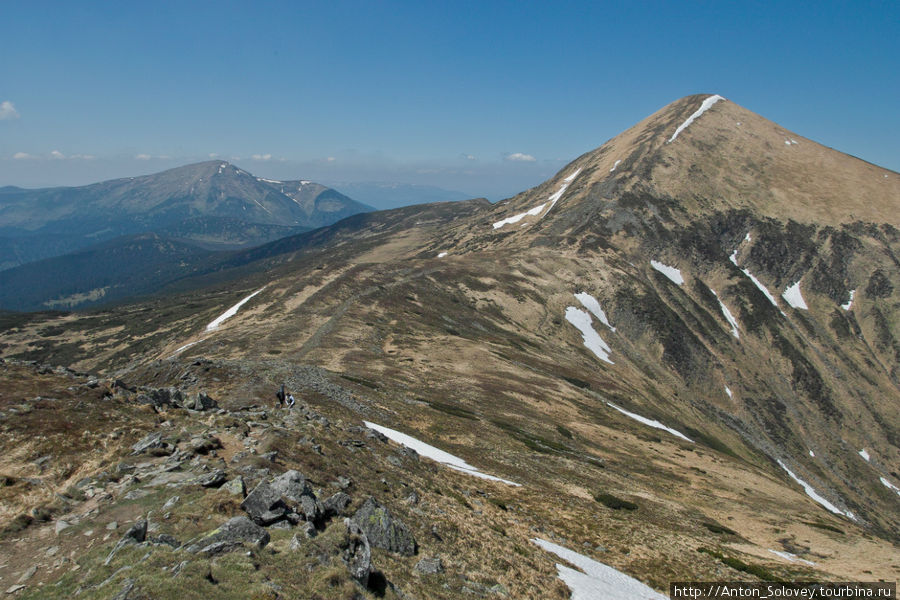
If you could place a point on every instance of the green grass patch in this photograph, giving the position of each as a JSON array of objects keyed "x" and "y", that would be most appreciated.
[
  {"x": 360, "y": 381},
  {"x": 824, "y": 526},
  {"x": 739, "y": 565},
  {"x": 613, "y": 502},
  {"x": 451, "y": 409},
  {"x": 720, "y": 529}
]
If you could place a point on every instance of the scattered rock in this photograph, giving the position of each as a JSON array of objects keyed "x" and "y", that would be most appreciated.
[
  {"x": 61, "y": 525},
  {"x": 232, "y": 535},
  {"x": 214, "y": 479},
  {"x": 205, "y": 444},
  {"x": 430, "y": 566},
  {"x": 383, "y": 530},
  {"x": 112, "y": 525},
  {"x": 236, "y": 487},
  {"x": 28, "y": 574},
  {"x": 357, "y": 554},
  {"x": 170, "y": 502},
  {"x": 149, "y": 441},
  {"x": 202, "y": 402},
  {"x": 164, "y": 539},
  {"x": 289, "y": 492},
  {"x": 126, "y": 589},
  {"x": 14, "y": 588},
  {"x": 136, "y": 534},
  {"x": 335, "y": 505},
  {"x": 52, "y": 551}
]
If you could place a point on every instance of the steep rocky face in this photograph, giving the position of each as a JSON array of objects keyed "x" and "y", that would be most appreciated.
[{"x": 616, "y": 335}]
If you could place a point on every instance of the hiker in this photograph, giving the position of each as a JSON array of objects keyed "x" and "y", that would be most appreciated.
[
  {"x": 280, "y": 396},
  {"x": 290, "y": 401}
]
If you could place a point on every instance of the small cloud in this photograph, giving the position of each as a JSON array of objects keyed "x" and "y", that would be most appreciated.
[
  {"x": 261, "y": 157},
  {"x": 331, "y": 159},
  {"x": 143, "y": 157},
  {"x": 164, "y": 157},
  {"x": 23, "y": 156},
  {"x": 519, "y": 157},
  {"x": 83, "y": 156},
  {"x": 57, "y": 154},
  {"x": 467, "y": 156},
  {"x": 213, "y": 154},
  {"x": 8, "y": 111}
]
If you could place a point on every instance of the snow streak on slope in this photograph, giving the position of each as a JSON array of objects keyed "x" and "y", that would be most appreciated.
[
  {"x": 537, "y": 210},
  {"x": 590, "y": 303},
  {"x": 703, "y": 108},
  {"x": 812, "y": 493},
  {"x": 435, "y": 454},
  {"x": 596, "y": 581},
  {"x": 792, "y": 557},
  {"x": 864, "y": 454},
  {"x": 793, "y": 297},
  {"x": 670, "y": 272},
  {"x": 650, "y": 422},
  {"x": 592, "y": 340},
  {"x": 890, "y": 485},
  {"x": 756, "y": 282},
  {"x": 231, "y": 311},
  {"x": 850, "y": 301},
  {"x": 729, "y": 392},
  {"x": 728, "y": 316}
]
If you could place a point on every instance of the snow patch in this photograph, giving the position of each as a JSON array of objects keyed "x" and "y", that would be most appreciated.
[
  {"x": 268, "y": 180},
  {"x": 890, "y": 485},
  {"x": 592, "y": 340},
  {"x": 728, "y": 316},
  {"x": 594, "y": 580},
  {"x": 792, "y": 557},
  {"x": 812, "y": 454},
  {"x": 703, "y": 108},
  {"x": 442, "y": 255},
  {"x": 729, "y": 392},
  {"x": 183, "y": 348},
  {"x": 793, "y": 297},
  {"x": 850, "y": 301},
  {"x": 864, "y": 454},
  {"x": 650, "y": 422},
  {"x": 812, "y": 493},
  {"x": 615, "y": 165},
  {"x": 537, "y": 210},
  {"x": 231, "y": 311},
  {"x": 590, "y": 303},
  {"x": 435, "y": 454},
  {"x": 670, "y": 272}
]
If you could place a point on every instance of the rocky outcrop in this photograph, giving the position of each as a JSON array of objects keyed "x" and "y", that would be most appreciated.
[
  {"x": 288, "y": 496},
  {"x": 232, "y": 535},
  {"x": 383, "y": 530},
  {"x": 357, "y": 554}
]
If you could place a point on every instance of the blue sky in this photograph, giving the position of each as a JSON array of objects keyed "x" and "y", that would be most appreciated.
[{"x": 443, "y": 93}]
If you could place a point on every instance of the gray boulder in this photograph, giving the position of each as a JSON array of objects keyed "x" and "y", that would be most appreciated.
[
  {"x": 264, "y": 504},
  {"x": 148, "y": 442},
  {"x": 213, "y": 480},
  {"x": 232, "y": 535},
  {"x": 286, "y": 495},
  {"x": 383, "y": 530},
  {"x": 136, "y": 534},
  {"x": 235, "y": 487},
  {"x": 429, "y": 566},
  {"x": 202, "y": 402},
  {"x": 356, "y": 553},
  {"x": 335, "y": 505}
]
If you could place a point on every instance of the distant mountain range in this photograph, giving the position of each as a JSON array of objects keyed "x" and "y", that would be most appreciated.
[
  {"x": 69, "y": 247},
  {"x": 213, "y": 204},
  {"x": 394, "y": 195}
]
